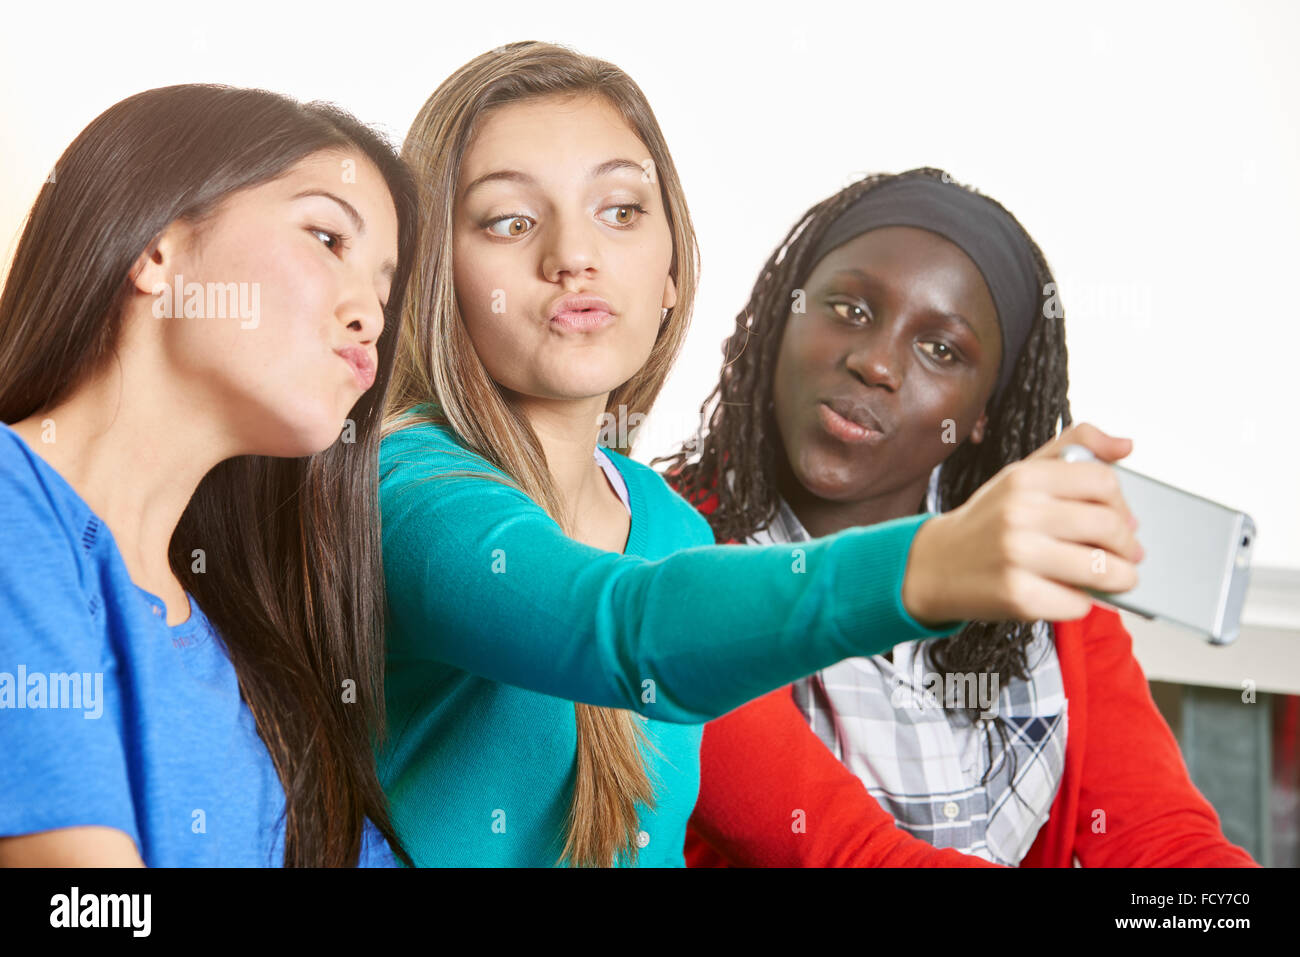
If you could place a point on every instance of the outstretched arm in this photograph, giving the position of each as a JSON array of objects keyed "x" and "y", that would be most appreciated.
[{"x": 481, "y": 578}]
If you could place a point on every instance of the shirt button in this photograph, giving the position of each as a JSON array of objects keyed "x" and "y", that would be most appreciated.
[
  {"x": 157, "y": 610},
  {"x": 951, "y": 810},
  {"x": 642, "y": 839}
]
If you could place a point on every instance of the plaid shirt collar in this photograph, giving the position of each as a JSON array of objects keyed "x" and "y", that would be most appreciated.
[{"x": 928, "y": 766}]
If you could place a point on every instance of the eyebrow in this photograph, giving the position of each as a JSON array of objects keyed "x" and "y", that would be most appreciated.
[
  {"x": 856, "y": 273},
  {"x": 518, "y": 176},
  {"x": 388, "y": 268}
]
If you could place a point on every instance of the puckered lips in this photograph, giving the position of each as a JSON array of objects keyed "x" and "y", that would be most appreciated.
[
  {"x": 361, "y": 363},
  {"x": 851, "y": 419},
  {"x": 579, "y": 313}
]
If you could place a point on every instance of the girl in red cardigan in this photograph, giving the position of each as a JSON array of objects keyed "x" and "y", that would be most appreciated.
[{"x": 903, "y": 345}]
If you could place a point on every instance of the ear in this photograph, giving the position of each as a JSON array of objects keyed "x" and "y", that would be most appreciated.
[
  {"x": 670, "y": 293},
  {"x": 157, "y": 264},
  {"x": 982, "y": 423}
]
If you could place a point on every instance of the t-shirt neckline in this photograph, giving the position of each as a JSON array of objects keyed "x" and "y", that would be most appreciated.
[
  {"x": 180, "y": 629},
  {"x": 636, "y": 504}
]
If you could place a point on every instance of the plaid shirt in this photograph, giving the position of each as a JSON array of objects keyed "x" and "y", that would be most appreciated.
[{"x": 886, "y": 722}]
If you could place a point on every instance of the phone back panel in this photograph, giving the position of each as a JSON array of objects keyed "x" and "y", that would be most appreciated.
[{"x": 1197, "y": 562}]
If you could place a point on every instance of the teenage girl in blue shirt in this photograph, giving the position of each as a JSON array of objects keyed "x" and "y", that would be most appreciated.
[{"x": 191, "y": 375}]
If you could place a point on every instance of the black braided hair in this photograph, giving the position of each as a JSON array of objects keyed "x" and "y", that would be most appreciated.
[{"x": 738, "y": 430}]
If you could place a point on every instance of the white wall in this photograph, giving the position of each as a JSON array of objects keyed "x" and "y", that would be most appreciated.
[{"x": 1151, "y": 149}]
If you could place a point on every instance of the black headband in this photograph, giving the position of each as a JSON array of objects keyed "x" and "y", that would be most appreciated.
[{"x": 984, "y": 232}]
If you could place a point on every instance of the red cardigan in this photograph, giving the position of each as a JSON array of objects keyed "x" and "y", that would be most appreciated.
[{"x": 1125, "y": 798}]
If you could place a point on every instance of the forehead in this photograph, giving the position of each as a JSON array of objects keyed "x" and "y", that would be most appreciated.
[
  {"x": 904, "y": 248},
  {"x": 348, "y": 174},
  {"x": 552, "y": 139},
  {"x": 916, "y": 262},
  {"x": 337, "y": 170}
]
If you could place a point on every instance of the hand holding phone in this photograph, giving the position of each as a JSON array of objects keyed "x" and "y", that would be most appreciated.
[
  {"x": 1029, "y": 542},
  {"x": 1197, "y": 564}
]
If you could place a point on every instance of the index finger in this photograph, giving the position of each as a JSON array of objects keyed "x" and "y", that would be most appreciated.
[
  {"x": 1083, "y": 481},
  {"x": 1103, "y": 445}
]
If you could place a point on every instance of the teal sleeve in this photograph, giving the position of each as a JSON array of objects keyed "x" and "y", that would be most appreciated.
[{"x": 481, "y": 578}]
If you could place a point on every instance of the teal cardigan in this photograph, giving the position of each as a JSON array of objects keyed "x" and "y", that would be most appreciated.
[{"x": 498, "y": 622}]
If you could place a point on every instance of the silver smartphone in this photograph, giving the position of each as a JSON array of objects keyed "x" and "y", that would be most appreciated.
[{"x": 1197, "y": 563}]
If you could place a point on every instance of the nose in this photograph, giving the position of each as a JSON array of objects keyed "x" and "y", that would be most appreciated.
[
  {"x": 361, "y": 312},
  {"x": 877, "y": 358},
  {"x": 570, "y": 248}
]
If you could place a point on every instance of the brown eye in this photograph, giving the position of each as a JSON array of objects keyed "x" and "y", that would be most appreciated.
[
  {"x": 624, "y": 215},
  {"x": 515, "y": 226},
  {"x": 334, "y": 237},
  {"x": 850, "y": 311},
  {"x": 946, "y": 357}
]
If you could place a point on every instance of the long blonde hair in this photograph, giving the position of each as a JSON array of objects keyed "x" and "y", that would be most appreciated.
[{"x": 437, "y": 366}]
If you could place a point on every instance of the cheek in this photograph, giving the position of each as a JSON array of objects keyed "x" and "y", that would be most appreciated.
[
  {"x": 789, "y": 381},
  {"x": 473, "y": 291},
  {"x": 811, "y": 344},
  {"x": 641, "y": 271},
  {"x": 490, "y": 313},
  {"x": 291, "y": 345},
  {"x": 801, "y": 352},
  {"x": 283, "y": 367},
  {"x": 939, "y": 417}
]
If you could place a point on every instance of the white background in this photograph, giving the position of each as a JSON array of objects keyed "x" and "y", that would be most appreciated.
[{"x": 1152, "y": 150}]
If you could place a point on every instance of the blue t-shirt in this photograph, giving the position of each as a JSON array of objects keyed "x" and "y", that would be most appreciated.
[{"x": 108, "y": 715}]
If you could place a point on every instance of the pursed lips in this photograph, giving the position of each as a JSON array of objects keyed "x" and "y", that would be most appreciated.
[
  {"x": 579, "y": 313},
  {"x": 362, "y": 364},
  {"x": 855, "y": 411}
]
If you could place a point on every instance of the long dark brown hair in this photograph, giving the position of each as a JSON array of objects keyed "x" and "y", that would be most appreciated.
[
  {"x": 294, "y": 581},
  {"x": 738, "y": 430}
]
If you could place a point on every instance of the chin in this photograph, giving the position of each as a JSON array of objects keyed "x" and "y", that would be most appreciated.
[
  {"x": 584, "y": 382},
  {"x": 824, "y": 476},
  {"x": 303, "y": 436},
  {"x": 599, "y": 370}
]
